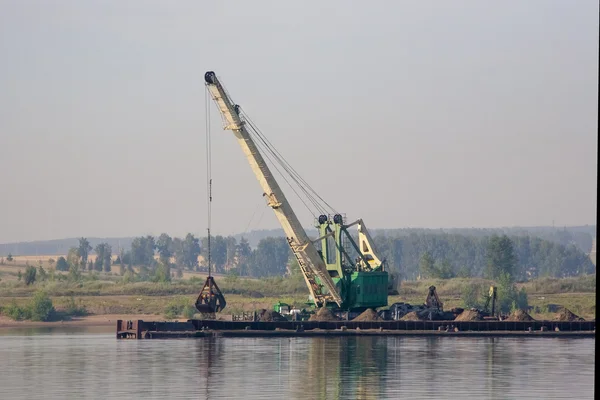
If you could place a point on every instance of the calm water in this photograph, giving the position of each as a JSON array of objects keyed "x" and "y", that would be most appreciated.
[{"x": 84, "y": 364}]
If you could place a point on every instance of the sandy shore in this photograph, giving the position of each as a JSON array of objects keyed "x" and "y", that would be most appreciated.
[{"x": 90, "y": 320}]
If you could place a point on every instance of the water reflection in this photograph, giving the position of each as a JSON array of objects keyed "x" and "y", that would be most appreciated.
[{"x": 58, "y": 365}]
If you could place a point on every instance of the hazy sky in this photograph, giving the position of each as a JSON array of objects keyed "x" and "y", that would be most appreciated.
[{"x": 405, "y": 113}]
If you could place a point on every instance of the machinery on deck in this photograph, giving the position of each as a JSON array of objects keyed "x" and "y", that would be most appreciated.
[
  {"x": 433, "y": 301},
  {"x": 343, "y": 273}
]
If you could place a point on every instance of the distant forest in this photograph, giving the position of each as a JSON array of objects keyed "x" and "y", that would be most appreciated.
[
  {"x": 411, "y": 253},
  {"x": 580, "y": 236}
]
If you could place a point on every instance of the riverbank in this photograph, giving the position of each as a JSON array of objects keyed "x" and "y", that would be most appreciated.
[{"x": 85, "y": 321}]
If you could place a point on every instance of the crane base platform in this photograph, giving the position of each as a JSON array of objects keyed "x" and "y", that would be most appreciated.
[{"x": 139, "y": 329}]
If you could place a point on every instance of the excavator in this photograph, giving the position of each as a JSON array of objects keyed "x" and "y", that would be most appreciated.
[
  {"x": 433, "y": 301},
  {"x": 341, "y": 272}
]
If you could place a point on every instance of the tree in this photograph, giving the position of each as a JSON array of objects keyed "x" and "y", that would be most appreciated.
[
  {"x": 162, "y": 273},
  {"x": 83, "y": 250},
  {"x": 41, "y": 307},
  {"x": 463, "y": 272},
  {"x": 243, "y": 255},
  {"x": 74, "y": 272},
  {"x": 29, "y": 276},
  {"x": 42, "y": 274},
  {"x": 270, "y": 257},
  {"x": 231, "y": 251},
  {"x": 142, "y": 250},
  {"x": 61, "y": 264},
  {"x": 187, "y": 251},
  {"x": 500, "y": 257},
  {"x": 103, "y": 257},
  {"x": 444, "y": 270},
  {"x": 427, "y": 265},
  {"x": 73, "y": 256},
  {"x": 9, "y": 257},
  {"x": 509, "y": 298},
  {"x": 218, "y": 252},
  {"x": 164, "y": 246}
]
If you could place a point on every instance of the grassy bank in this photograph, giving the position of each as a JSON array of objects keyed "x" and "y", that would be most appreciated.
[{"x": 107, "y": 294}]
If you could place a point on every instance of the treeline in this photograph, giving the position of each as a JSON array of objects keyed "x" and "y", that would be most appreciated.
[
  {"x": 426, "y": 255},
  {"x": 163, "y": 257},
  {"x": 580, "y": 236},
  {"x": 467, "y": 256}
]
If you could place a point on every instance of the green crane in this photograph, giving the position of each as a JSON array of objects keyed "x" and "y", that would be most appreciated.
[{"x": 344, "y": 273}]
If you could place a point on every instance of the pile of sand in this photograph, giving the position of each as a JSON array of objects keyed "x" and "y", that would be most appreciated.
[
  {"x": 566, "y": 315},
  {"x": 411, "y": 316},
  {"x": 323, "y": 314},
  {"x": 519, "y": 315},
  {"x": 469, "y": 315},
  {"x": 368, "y": 315},
  {"x": 270, "y": 316}
]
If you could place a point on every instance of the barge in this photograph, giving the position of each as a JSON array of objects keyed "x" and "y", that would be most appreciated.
[{"x": 139, "y": 329}]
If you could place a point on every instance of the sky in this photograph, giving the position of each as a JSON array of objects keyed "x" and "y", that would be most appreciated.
[{"x": 402, "y": 113}]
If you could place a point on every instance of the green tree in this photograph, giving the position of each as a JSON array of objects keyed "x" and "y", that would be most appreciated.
[
  {"x": 231, "y": 251},
  {"x": 164, "y": 246},
  {"x": 30, "y": 273},
  {"x": 470, "y": 296},
  {"x": 463, "y": 272},
  {"x": 218, "y": 252},
  {"x": 142, "y": 250},
  {"x": 43, "y": 275},
  {"x": 509, "y": 297},
  {"x": 83, "y": 250},
  {"x": 61, "y": 264},
  {"x": 270, "y": 257},
  {"x": 162, "y": 273},
  {"x": 500, "y": 257},
  {"x": 103, "y": 257},
  {"x": 41, "y": 307},
  {"x": 427, "y": 266},
  {"x": 443, "y": 270},
  {"x": 74, "y": 272},
  {"x": 243, "y": 255},
  {"x": 187, "y": 251}
]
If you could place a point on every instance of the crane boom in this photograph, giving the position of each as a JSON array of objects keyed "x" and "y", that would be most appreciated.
[{"x": 311, "y": 264}]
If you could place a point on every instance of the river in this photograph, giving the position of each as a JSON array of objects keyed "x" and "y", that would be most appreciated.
[{"x": 91, "y": 364}]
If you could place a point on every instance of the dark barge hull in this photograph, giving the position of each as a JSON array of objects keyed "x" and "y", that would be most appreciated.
[{"x": 139, "y": 329}]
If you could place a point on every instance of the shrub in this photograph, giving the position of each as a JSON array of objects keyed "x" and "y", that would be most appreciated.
[
  {"x": 189, "y": 312},
  {"x": 29, "y": 276},
  {"x": 41, "y": 307},
  {"x": 62, "y": 265},
  {"x": 13, "y": 311},
  {"x": 74, "y": 310}
]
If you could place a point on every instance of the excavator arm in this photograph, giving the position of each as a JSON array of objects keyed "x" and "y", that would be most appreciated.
[{"x": 317, "y": 278}]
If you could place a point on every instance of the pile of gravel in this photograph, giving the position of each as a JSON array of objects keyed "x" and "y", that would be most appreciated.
[
  {"x": 469, "y": 315},
  {"x": 411, "y": 316},
  {"x": 567, "y": 315},
  {"x": 368, "y": 315},
  {"x": 519, "y": 315},
  {"x": 323, "y": 314}
]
